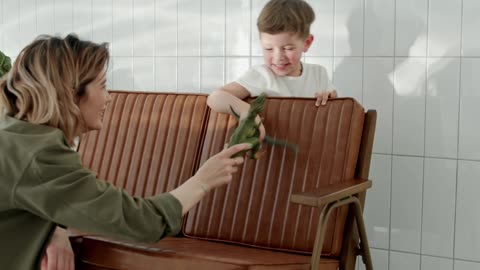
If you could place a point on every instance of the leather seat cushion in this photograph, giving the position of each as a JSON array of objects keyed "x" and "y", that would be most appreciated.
[{"x": 187, "y": 253}]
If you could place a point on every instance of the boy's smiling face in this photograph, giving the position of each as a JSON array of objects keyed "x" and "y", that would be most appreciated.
[{"x": 282, "y": 52}]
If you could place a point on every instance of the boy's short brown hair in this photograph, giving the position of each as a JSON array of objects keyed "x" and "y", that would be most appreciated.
[{"x": 279, "y": 16}]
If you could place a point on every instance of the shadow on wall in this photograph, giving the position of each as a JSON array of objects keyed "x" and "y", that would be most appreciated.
[{"x": 437, "y": 80}]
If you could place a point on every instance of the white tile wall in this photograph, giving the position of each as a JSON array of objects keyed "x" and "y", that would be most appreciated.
[
  {"x": 438, "y": 214},
  {"x": 471, "y": 22},
  {"x": 143, "y": 27},
  {"x": 349, "y": 27},
  {"x": 409, "y": 106},
  {"x": 469, "y": 148},
  {"x": 441, "y": 121},
  {"x": 444, "y": 27},
  {"x": 322, "y": 28},
  {"x": 82, "y": 17},
  {"x": 189, "y": 27},
  {"x": 435, "y": 263},
  {"x": 27, "y": 21},
  {"x": 377, "y": 210},
  {"x": 467, "y": 227},
  {"x": 379, "y": 27},
  {"x": 102, "y": 21},
  {"x": 402, "y": 261},
  {"x": 63, "y": 19},
  {"x": 411, "y": 28},
  {"x": 378, "y": 94},
  {"x": 348, "y": 76},
  {"x": 144, "y": 73},
  {"x": 257, "y": 6},
  {"x": 122, "y": 44},
  {"x": 414, "y": 61},
  {"x": 166, "y": 28},
  {"x": 213, "y": 28},
  {"x": 464, "y": 265},
  {"x": 406, "y": 208},
  {"x": 380, "y": 259}
]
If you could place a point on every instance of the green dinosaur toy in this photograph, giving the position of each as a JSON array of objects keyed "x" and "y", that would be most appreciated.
[
  {"x": 248, "y": 131},
  {"x": 5, "y": 64}
]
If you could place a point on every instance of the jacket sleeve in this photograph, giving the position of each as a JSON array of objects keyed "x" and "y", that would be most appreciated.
[{"x": 57, "y": 187}]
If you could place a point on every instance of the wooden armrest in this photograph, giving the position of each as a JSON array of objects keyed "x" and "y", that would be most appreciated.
[{"x": 331, "y": 193}]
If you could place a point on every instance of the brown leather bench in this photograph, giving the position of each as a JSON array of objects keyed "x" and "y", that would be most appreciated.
[{"x": 274, "y": 213}]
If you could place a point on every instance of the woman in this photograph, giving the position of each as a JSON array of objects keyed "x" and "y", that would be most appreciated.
[{"x": 54, "y": 92}]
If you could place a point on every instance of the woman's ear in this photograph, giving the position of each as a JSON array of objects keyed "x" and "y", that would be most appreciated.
[{"x": 308, "y": 43}]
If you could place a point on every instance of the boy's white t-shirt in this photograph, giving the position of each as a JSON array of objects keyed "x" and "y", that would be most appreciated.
[{"x": 260, "y": 79}]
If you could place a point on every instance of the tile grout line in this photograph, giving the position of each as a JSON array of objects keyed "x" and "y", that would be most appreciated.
[
  {"x": 392, "y": 136},
  {"x": 424, "y": 144},
  {"x": 458, "y": 129},
  {"x": 225, "y": 42},
  {"x": 154, "y": 45},
  {"x": 133, "y": 45},
  {"x": 200, "y": 53},
  {"x": 176, "y": 51}
]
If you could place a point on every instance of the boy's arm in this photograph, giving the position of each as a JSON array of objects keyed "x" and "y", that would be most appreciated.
[{"x": 230, "y": 97}]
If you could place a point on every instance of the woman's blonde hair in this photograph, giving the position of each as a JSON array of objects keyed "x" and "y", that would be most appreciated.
[
  {"x": 47, "y": 80},
  {"x": 279, "y": 16}
]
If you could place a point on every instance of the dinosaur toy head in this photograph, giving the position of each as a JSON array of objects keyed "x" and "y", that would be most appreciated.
[
  {"x": 248, "y": 130},
  {"x": 5, "y": 64},
  {"x": 257, "y": 105}
]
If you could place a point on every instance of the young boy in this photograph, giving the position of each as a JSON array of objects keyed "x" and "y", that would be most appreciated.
[{"x": 284, "y": 27}]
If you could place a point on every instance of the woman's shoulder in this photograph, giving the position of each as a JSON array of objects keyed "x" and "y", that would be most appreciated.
[{"x": 31, "y": 138}]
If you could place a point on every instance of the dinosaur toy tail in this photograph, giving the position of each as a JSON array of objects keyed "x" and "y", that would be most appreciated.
[{"x": 272, "y": 141}]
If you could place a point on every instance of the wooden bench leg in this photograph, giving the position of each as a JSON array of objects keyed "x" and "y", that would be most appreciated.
[
  {"x": 322, "y": 227},
  {"x": 364, "y": 248}
]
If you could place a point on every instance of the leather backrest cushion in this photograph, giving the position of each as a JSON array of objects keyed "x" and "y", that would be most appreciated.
[
  {"x": 254, "y": 209},
  {"x": 149, "y": 143}
]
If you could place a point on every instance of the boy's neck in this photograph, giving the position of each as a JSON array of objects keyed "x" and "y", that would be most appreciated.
[{"x": 299, "y": 72}]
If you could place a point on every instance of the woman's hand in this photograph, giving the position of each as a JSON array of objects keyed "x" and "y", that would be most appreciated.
[
  {"x": 218, "y": 170},
  {"x": 59, "y": 253},
  {"x": 215, "y": 172}
]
